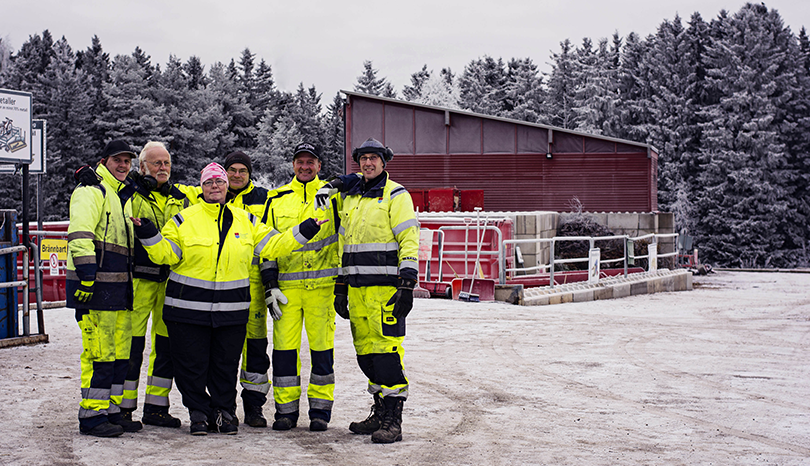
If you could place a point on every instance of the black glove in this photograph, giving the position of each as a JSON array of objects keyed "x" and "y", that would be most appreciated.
[
  {"x": 342, "y": 300},
  {"x": 86, "y": 176},
  {"x": 403, "y": 298},
  {"x": 146, "y": 230},
  {"x": 328, "y": 190},
  {"x": 309, "y": 228},
  {"x": 144, "y": 182},
  {"x": 84, "y": 292}
]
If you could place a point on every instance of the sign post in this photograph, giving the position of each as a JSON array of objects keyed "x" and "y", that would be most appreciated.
[
  {"x": 593, "y": 265},
  {"x": 15, "y": 126}
]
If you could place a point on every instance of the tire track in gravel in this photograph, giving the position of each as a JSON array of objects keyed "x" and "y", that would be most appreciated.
[
  {"x": 509, "y": 346},
  {"x": 634, "y": 350}
]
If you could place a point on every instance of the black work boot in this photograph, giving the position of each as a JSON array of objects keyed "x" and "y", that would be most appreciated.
[
  {"x": 154, "y": 415},
  {"x": 124, "y": 419},
  {"x": 373, "y": 421},
  {"x": 223, "y": 422},
  {"x": 199, "y": 423},
  {"x": 284, "y": 423},
  {"x": 105, "y": 429},
  {"x": 391, "y": 427},
  {"x": 254, "y": 416}
]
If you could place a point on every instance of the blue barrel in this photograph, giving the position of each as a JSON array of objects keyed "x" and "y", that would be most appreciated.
[{"x": 8, "y": 273}]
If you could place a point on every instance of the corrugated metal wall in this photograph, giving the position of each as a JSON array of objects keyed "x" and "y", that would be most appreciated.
[{"x": 505, "y": 158}]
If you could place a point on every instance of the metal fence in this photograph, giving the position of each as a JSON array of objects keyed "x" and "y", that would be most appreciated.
[{"x": 553, "y": 261}]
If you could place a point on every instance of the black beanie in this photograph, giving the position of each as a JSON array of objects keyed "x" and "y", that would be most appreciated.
[{"x": 238, "y": 157}]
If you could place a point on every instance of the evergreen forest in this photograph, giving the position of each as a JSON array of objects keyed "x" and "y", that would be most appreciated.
[{"x": 726, "y": 102}]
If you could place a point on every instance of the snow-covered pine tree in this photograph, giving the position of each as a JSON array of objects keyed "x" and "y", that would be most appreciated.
[
  {"x": 332, "y": 153},
  {"x": 131, "y": 112},
  {"x": 743, "y": 199},
  {"x": 481, "y": 86},
  {"x": 414, "y": 91},
  {"x": 523, "y": 91},
  {"x": 66, "y": 99},
  {"x": 96, "y": 64},
  {"x": 369, "y": 83},
  {"x": 559, "y": 108}
]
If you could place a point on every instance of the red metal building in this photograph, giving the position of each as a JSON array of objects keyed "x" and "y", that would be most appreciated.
[{"x": 520, "y": 166}]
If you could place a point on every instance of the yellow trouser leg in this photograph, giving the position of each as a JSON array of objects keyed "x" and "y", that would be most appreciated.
[
  {"x": 160, "y": 372},
  {"x": 104, "y": 360},
  {"x": 255, "y": 362},
  {"x": 314, "y": 310},
  {"x": 378, "y": 339}
]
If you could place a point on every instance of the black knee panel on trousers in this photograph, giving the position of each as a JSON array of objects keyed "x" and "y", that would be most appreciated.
[
  {"x": 257, "y": 359},
  {"x": 136, "y": 358},
  {"x": 323, "y": 362},
  {"x": 382, "y": 368},
  {"x": 285, "y": 363}
]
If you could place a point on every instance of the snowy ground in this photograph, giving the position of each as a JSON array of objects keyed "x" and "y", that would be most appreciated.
[{"x": 718, "y": 375}]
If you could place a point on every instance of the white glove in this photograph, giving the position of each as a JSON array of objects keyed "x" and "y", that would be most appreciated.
[
  {"x": 322, "y": 197},
  {"x": 272, "y": 296},
  {"x": 328, "y": 190}
]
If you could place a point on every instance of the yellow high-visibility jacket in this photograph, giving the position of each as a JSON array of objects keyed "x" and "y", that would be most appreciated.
[
  {"x": 158, "y": 207},
  {"x": 209, "y": 248},
  {"x": 251, "y": 199},
  {"x": 379, "y": 233},
  {"x": 317, "y": 263},
  {"x": 100, "y": 243}
]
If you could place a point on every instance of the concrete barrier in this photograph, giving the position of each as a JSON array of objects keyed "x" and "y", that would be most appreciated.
[{"x": 660, "y": 281}]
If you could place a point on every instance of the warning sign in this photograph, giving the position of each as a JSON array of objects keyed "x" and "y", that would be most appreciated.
[
  {"x": 50, "y": 246},
  {"x": 425, "y": 245},
  {"x": 54, "y": 263}
]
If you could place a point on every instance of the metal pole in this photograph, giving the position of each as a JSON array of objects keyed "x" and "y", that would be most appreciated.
[
  {"x": 25, "y": 242},
  {"x": 551, "y": 264},
  {"x": 38, "y": 277},
  {"x": 26, "y": 311},
  {"x": 40, "y": 202},
  {"x": 626, "y": 239}
]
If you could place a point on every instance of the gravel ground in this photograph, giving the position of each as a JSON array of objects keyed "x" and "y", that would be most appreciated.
[{"x": 717, "y": 375}]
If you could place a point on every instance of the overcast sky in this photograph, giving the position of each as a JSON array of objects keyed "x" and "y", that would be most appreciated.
[{"x": 325, "y": 42}]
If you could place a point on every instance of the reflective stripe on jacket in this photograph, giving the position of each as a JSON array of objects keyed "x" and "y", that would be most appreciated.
[
  {"x": 251, "y": 199},
  {"x": 317, "y": 263},
  {"x": 209, "y": 248},
  {"x": 100, "y": 243},
  {"x": 149, "y": 206},
  {"x": 379, "y": 233}
]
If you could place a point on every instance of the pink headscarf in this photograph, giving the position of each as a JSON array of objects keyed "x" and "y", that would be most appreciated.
[{"x": 213, "y": 170}]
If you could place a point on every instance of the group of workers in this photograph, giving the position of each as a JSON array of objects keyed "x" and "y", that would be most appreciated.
[{"x": 208, "y": 263}]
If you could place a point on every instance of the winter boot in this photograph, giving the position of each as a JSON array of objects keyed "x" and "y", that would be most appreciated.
[
  {"x": 124, "y": 419},
  {"x": 199, "y": 423},
  {"x": 154, "y": 415},
  {"x": 318, "y": 425},
  {"x": 391, "y": 427},
  {"x": 254, "y": 416},
  {"x": 223, "y": 423},
  {"x": 373, "y": 421},
  {"x": 284, "y": 423},
  {"x": 105, "y": 429}
]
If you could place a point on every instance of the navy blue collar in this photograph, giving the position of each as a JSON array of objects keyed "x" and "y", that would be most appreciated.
[{"x": 371, "y": 188}]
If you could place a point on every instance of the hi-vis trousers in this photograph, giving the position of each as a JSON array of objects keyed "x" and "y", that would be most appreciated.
[
  {"x": 314, "y": 310},
  {"x": 104, "y": 361},
  {"x": 149, "y": 297}
]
